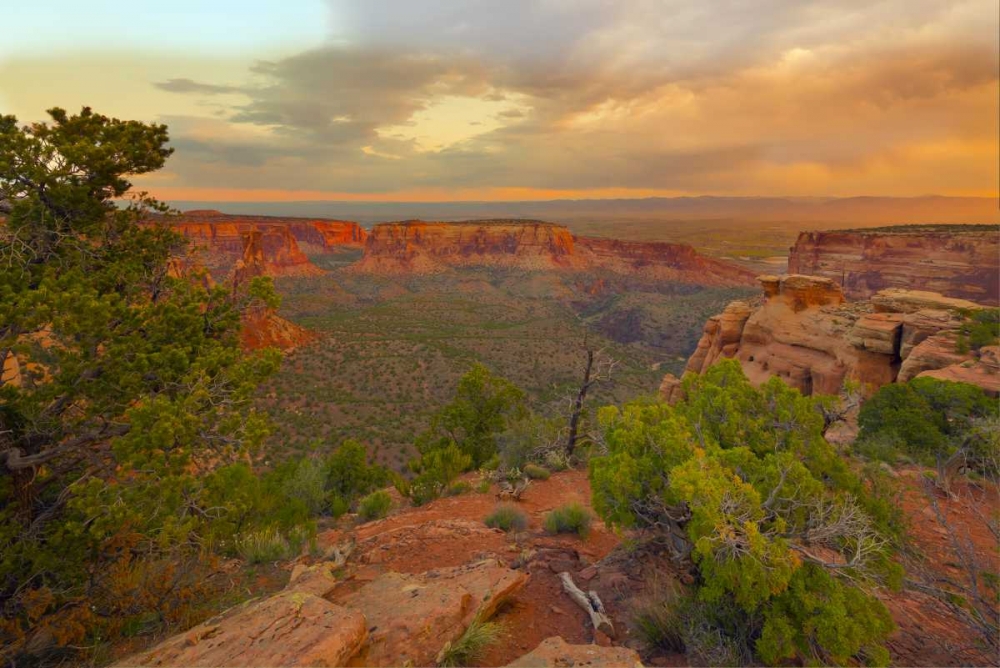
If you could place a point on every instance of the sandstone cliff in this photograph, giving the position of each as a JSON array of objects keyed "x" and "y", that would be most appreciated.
[
  {"x": 420, "y": 247},
  {"x": 261, "y": 326},
  {"x": 217, "y": 238},
  {"x": 416, "y": 246},
  {"x": 957, "y": 261},
  {"x": 806, "y": 334},
  {"x": 660, "y": 261}
]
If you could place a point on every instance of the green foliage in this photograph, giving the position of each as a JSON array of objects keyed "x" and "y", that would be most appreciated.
[
  {"x": 375, "y": 506},
  {"x": 469, "y": 649},
  {"x": 264, "y": 546},
  {"x": 435, "y": 471},
  {"x": 981, "y": 328},
  {"x": 482, "y": 407},
  {"x": 570, "y": 518},
  {"x": 926, "y": 418},
  {"x": 458, "y": 488},
  {"x": 536, "y": 472},
  {"x": 744, "y": 485},
  {"x": 508, "y": 518},
  {"x": 133, "y": 382},
  {"x": 350, "y": 476},
  {"x": 521, "y": 440},
  {"x": 306, "y": 485}
]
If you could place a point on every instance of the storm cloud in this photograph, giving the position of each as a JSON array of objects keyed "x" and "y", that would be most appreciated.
[{"x": 769, "y": 97}]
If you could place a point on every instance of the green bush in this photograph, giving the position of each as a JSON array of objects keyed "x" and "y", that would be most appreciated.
[
  {"x": 507, "y": 518},
  {"x": 556, "y": 460},
  {"x": 375, "y": 506},
  {"x": 928, "y": 419},
  {"x": 484, "y": 486},
  {"x": 458, "y": 488},
  {"x": 981, "y": 328},
  {"x": 264, "y": 546},
  {"x": 571, "y": 518},
  {"x": 536, "y": 472},
  {"x": 468, "y": 650},
  {"x": 436, "y": 470},
  {"x": 483, "y": 406},
  {"x": 744, "y": 485}
]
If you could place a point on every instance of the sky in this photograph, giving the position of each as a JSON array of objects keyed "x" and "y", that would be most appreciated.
[{"x": 436, "y": 100}]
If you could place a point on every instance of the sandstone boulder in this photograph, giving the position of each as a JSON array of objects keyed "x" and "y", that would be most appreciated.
[
  {"x": 412, "y": 617},
  {"x": 292, "y": 628},
  {"x": 556, "y": 652},
  {"x": 317, "y": 579}
]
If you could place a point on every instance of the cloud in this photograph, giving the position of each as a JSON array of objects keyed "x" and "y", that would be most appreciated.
[
  {"x": 191, "y": 86},
  {"x": 670, "y": 94}
]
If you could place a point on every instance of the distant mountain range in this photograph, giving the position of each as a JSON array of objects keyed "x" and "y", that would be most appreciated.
[{"x": 827, "y": 210}]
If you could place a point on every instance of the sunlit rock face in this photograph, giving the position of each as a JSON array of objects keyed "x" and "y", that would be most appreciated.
[
  {"x": 216, "y": 239},
  {"x": 430, "y": 247},
  {"x": 421, "y": 247},
  {"x": 955, "y": 261},
  {"x": 805, "y": 333}
]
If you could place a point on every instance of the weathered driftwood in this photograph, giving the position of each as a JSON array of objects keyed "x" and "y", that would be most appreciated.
[
  {"x": 510, "y": 492},
  {"x": 590, "y": 603}
]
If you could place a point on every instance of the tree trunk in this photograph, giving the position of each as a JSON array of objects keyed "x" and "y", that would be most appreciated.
[{"x": 574, "y": 420}]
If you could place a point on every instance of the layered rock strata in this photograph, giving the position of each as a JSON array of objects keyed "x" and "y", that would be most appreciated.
[{"x": 805, "y": 333}]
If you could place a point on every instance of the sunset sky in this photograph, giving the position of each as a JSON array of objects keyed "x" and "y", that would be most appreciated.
[{"x": 511, "y": 99}]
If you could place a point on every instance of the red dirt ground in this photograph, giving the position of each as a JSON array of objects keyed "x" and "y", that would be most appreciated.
[{"x": 448, "y": 532}]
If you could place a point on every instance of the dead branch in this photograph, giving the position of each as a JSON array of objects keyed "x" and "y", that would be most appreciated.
[{"x": 590, "y": 603}]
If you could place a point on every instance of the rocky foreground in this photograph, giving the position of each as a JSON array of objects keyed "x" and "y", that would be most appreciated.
[
  {"x": 806, "y": 333},
  {"x": 403, "y": 590}
]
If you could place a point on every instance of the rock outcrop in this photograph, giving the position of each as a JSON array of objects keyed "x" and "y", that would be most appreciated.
[
  {"x": 956, "y": 261},
  {"x": 557, "y": 653},
  {"x": 396, "y": 619},
  {"x": 419, "y": 247},
  {"x": 807, "y": 335},
  {"x": 262, "y": 327},
  {"x": 292, "y": 628},
  {"x": 414, "y": 617},
  {"x": 217, "y": 239},
  {"x": 218, "y": 246}
]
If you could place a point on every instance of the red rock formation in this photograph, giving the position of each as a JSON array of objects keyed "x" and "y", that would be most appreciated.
[
  {"x": 218, "y": 238},
  {"x": 218, "y": 246},
  {"x": 431, "y": 247},
  {"x": 415, "y": 246},
  {"x": 660, "y": 261},
  {"x": 261, "y": 326},
  {"x": 806, "y": 334},
  {"x": 959, "y": 261}
]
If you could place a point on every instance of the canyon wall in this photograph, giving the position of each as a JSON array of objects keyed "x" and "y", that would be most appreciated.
[
  {"x": 415, "y": 246},
  {"x": 660, "y": 261},
  {"x": 431, "y": 247},
  {"x": 956, "y": 261},
  {"x": 261, "y": 326},
  {"x": 217, "y": 239},
  {"x": 805, "y": 333}
]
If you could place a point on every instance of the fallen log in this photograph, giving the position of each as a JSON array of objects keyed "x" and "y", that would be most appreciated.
[{"x": 590, "y": 603}]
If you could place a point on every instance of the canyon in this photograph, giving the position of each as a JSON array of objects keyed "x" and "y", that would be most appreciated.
[
  {"x": 417, "y": 247},
  {"x": 420, "y": 247},
  {"x": 805, "y": 332},
  {"x": 956, "y": 261}
]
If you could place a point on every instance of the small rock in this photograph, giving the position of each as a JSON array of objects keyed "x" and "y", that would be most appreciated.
[{"x": 588, "y": 573}]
